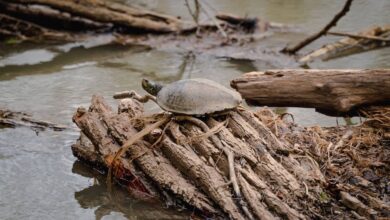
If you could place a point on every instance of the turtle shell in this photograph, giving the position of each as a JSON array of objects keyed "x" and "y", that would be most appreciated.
[{"x": 197, "y": 97}]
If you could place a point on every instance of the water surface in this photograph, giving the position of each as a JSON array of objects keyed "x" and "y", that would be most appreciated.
[{"x": 39, "y": 178}]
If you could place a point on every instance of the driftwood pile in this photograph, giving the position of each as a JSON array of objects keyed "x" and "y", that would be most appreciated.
[
  {"x": 242, "y": 165},
  {"x": 72, "y": 20}
]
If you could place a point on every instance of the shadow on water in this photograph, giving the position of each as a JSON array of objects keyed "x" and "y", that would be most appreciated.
[
  {"x": 51, "y": 60},
  {"x": 243, "y": 66},
  {"x": 97, "y": 197}
]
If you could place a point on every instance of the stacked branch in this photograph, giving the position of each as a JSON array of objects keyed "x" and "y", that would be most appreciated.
[{"x": 223, "y": 166}]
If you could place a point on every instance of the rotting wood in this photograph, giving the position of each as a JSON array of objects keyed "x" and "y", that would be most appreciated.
[
  {"x": 14, "y": 119},
  {"x": 196, "y": 170},
  {"x": 248, "y": 24},
  {"x": 50, "y": 18},
  {"x": 11, "y": 27},
  {"x": 358, "y": 36},
  {"x": 152, "y": 164},
  {"x": 333, "y": 92},
  {"x": 98, "y": 11},
  {"x": 350, "y": 45}
]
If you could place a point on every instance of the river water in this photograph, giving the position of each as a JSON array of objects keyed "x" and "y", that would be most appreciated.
[{"x": 39, "y": 178}]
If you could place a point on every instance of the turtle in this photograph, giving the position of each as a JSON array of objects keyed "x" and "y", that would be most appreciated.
[{"x": 195, "y": 97}]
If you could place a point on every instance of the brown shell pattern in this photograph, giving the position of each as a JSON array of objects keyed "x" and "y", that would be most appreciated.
[{"x": 197, "y": 97}]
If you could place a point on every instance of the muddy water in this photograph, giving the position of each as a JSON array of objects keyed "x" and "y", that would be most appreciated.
[{"x": 39, "y": 178}]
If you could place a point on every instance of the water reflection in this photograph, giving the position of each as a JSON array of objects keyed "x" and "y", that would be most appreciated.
[
  {"x": 97, "y": 197},
  {"x": 45, "y": 61},
  {"x": 243, "y": 66}
]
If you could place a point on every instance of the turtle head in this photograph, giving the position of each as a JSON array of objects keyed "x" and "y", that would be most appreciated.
[{"x": 151, "y": 87}]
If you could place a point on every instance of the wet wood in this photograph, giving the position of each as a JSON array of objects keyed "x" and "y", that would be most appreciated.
[
  {"x": 100, "y": 11},
  {"x": 358, "y": 36},
  {"x": 373, "y": 38},
  {"x": 249, "y": 24},
  {"x": 14, "y": 28},
  {"x": 49, "y": 18},
  {"x": 14, "y": 119},
  {"x": 194, "y": 160},
  {"x": 334, "y": 92}
]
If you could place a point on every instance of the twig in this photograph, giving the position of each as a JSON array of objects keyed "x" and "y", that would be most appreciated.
[
  {"x": 158, "y": 140},
  {"x": 358, "y": 36},
  {"x": 129, "y": 143},
  {"x": 333, "y": 22},
  {"x": 346, "y": 136},
  {"x": 194, "y": 14},
  {"x": 205, "y": 135},
  {"x": 306, "y": 188},
  {"x": 220, "y": 145},
  {"x": 232, "y": 172},
  {"x": 214, "y": 20},
  {"x": 224, "y": 185}
]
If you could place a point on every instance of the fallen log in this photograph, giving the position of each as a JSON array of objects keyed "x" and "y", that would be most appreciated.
[
  {"x": 11, "y": 27},
  {"x": 370, "y": 39},
  {"x": 333, "y": 92},
  {"x": 50, "y": 18},
  {"x": 279, "y": 173},
  {"x": 123, "y": 16}
]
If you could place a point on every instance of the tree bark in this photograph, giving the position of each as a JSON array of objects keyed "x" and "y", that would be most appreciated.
[
  {"x": 14, "y": 119},
  {"x": 231, "y": 166},
  {"x": 111, "y": 13},
  {"x": 334, "y": 92}
]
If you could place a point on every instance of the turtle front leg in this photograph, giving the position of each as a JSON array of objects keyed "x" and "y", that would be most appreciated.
[{"x": 134, "y": 95}]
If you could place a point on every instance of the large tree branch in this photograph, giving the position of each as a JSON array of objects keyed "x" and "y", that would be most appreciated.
[{"x": 333, "y": 22}]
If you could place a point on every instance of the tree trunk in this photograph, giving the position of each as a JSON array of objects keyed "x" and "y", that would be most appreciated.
[{"x": 334, "y": 92}]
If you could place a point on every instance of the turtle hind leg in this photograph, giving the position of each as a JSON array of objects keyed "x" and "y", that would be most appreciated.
[{"x": 134, "y": 95}]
